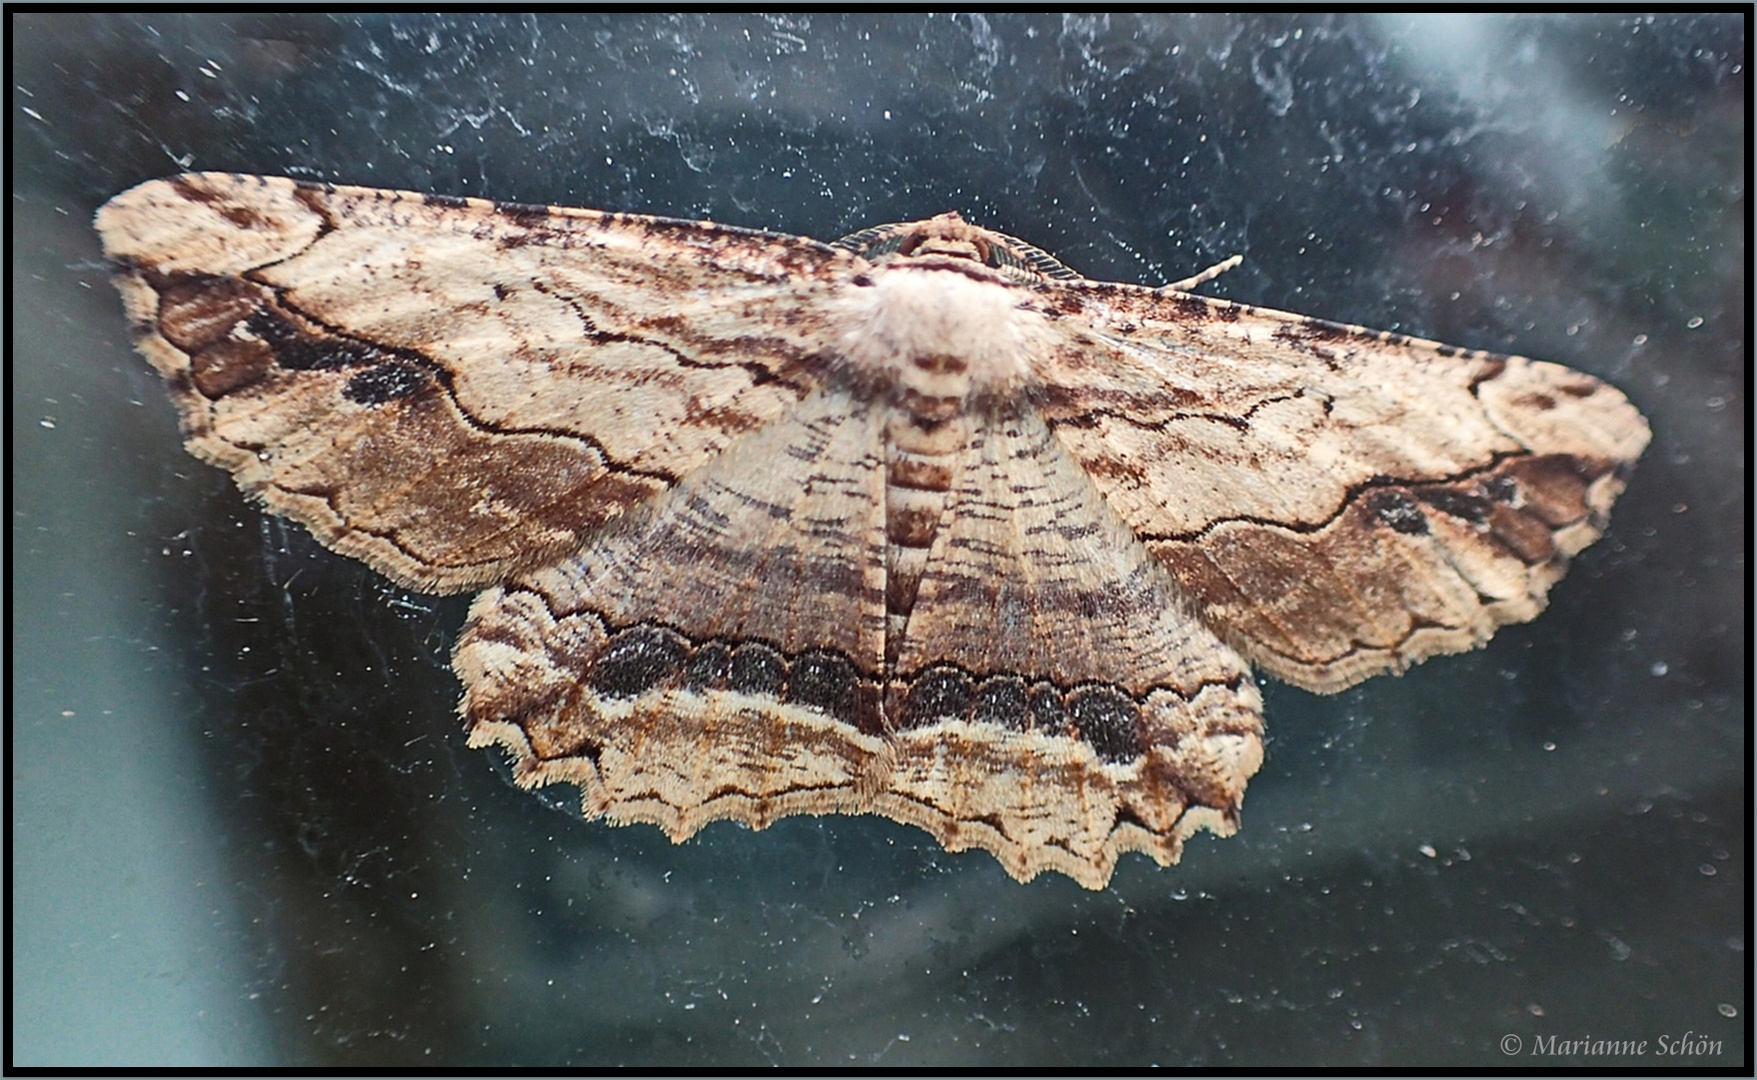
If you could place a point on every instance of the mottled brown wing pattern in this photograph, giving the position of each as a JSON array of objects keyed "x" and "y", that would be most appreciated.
[
  {"x": 919, "y": 524},
  {"x": 1337, "y": 502},
  {"x": 453, "y": 409},
  {"x": 1053, "y": 703}
]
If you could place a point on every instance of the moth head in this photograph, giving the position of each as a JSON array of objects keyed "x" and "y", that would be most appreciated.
[{"x": 949, "y": 236}]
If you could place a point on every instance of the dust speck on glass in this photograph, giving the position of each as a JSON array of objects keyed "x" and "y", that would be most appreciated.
[{"x": 237, "y": 763}]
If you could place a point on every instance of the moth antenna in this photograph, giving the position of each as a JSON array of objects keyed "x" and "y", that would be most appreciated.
[{"x": 1207, "y": 275}]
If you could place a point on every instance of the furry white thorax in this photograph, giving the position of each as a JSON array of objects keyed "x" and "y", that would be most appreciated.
[{"x": 939, "y": 332}]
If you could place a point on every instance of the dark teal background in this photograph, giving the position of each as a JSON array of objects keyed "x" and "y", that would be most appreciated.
[{"x": 246, "y": 829}]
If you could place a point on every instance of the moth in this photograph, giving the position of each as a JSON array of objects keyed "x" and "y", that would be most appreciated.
[{"x": 920, "y": 523}]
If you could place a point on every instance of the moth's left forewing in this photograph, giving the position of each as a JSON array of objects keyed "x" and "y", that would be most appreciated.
[
  {"x": 453, "y": 389},
  {"x": 1336, "y": 501}
]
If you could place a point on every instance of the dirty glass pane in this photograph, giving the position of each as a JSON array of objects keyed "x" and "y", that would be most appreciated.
[{"x": 247, "y": 829}]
